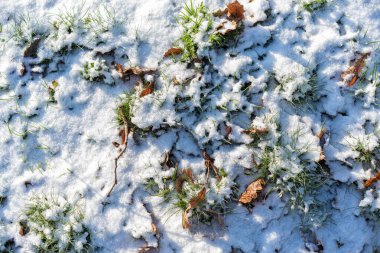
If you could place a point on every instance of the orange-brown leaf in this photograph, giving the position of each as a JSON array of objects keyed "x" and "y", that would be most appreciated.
[
  {"x": 252, "y": 191},
  {"x": 173, "y": 51},
  {"x": 355, "y": 70},
  {"x": 255, "y": 131},
  {"x": 194, "y": 202},
  {"x": 184, "y": 175},
  {"x": 129, "y": 71},
  {"x": 372, "y": 180},
  {"x": 235, "y": 11},
  {"x": 148, "y": 90},
  {"x": 321, "y": 133}
]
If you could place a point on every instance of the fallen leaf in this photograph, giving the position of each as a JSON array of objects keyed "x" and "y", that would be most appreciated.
[
  {"x": 226, "y": 27},
  {"x": 193, "y": 203},
  {"x": 252, "y": 191},
  {"x": 130, "y": 71},
  {"x": 183, "y": 176},
  {"x": 235, "y": 11},
  {"x": 154, "y": 228},
  {"x": 369, "y": 182},
  {"x": 31, "y": 49},
  {"x": 123, "y": 136},
  {"x": 321, "y": 133},
  {"x": 173, "y": 51},
  {"x": 209, "y": 164},
  {"x": 115, "y": 144},
  {"x": 148, "y": 90},
  {"x": 256, "y": 131},
  {"x": 355, "y": 70}
]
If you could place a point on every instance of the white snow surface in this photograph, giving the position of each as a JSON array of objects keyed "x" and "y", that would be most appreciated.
[{"x": 282, "y": 74}]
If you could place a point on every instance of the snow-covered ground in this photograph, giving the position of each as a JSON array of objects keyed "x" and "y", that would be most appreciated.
[{"x": 284, "y": 91}]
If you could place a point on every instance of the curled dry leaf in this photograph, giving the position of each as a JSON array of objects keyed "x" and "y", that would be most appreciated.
[
  {"x": 123, "y": 135},
  {"x": 355, "y": 70},
  {"x": 31, "y": 49},
  {"x": 209, "y": 164},
  {"x": 321, "y": 133},
  {"x": 227, "y": 27},
  {"x": 252, "y": 191},
  {"x": 130, "y": 71},
  {"x": 149, "y": 88},
  {"x": 183, "y": 175},
  {"x": 369, "y": 182},
  {"x": 255, "y": 131},
  {"x": 194, "y": 202},
  {"x": 154, "y": 229},
  {"x": 173, "y": 51},
  {"x": 235, "y": 11}
]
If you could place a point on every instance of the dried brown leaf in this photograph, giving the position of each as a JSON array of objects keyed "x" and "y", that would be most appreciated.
[
  {"x": 321, "y": 133},
  {"x": 369, "y": 182},
  {"x": 194, "y": 202},
  {"x": 130, "y": 71},
  {"x": 252, "y": 191},
  {"x": 355, "y": 70},
  {"x": 147, "y": 90},
  {"x": 255, "y": 131},
  {"x": 183, "y": 175},
  {"x": 235, "y": 11},
  {"x": 173, "y": 51}
]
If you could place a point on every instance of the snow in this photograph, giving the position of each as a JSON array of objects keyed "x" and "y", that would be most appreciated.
[{"x": 281, "y": 75}]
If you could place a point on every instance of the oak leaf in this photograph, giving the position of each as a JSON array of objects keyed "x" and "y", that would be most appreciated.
[
  {"x": 252, "y": 191},
  {"x": 235, "y": 11}
]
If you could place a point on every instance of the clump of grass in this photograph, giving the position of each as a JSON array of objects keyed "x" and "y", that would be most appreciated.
[
  {"x": 97, "y": 71},
  {"x": 181, "y": 188},
  {"x": 100, "y": 20},
  {"x": 124, "y": 111},
  {"x": 219, "y": 40},
  {"x": 22, "y": 29},
  {"x": 191, "y": 19},
  {"x": 314, "y": 5},
  {"x": 57, "y": 226}
]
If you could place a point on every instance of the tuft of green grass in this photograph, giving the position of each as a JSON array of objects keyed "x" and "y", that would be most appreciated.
[
  {"x": 58, "y": 224},
  {"x": 125, "y": 110},
  {"x": 314, "y": 5},
  {"x": 191, "y": 18}
]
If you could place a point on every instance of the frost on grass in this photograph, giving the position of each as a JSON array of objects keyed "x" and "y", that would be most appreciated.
[{"x": 55, "y": 225}]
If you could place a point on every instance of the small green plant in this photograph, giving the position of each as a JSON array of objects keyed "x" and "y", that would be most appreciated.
[
  {"x": 100, "y": 20},
  {"x": 191, "y": 19},
  {"x": 58, "y": 225},
  {"x": 314, "y": 5},
  {"x": 182, "y": 190},
  {"x": 97, "y": 71},
  {"x": 124, "y": 111}
]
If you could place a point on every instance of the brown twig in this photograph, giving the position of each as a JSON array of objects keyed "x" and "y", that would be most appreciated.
[{"x": 121, "y": 152}]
